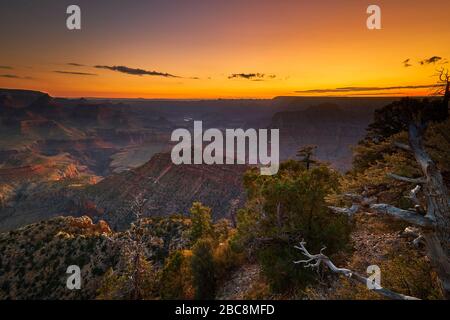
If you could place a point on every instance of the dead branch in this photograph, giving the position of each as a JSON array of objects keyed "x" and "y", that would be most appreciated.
[
  {"x": 314, "y": 261},
  {"x": 416, "y": 234},
  {"x": 347, "y": 211},
  {"x": 362, "y": 200},
  {"x": 406, "y": 179},
  {"x": 413, "y": 195},
  {"x": 410, "y": 216},
  {"x": 402, "y": 146},
  {"x": 406, "y": 215},
  {"x": 353, "y": 196}
]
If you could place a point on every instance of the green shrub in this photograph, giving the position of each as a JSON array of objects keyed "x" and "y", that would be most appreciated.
[
  {"x": 176, "y": 277},
  {"x": 283, "y": 209},
  {"x": 202, "y": 265},
  {"x": 201, "y": 221}
]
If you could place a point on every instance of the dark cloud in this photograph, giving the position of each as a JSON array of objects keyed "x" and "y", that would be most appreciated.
[
  {"x": 251, "y": 76},
  {"x": 13, "y": 76},
  {"x": 406, "y": 63},
  {"x": 74, "y": 64},
  {"x": 137, "y": 72},
  {"x": 374, "y": 94},
  {"x": 357, "y": 89},
  {"x": 76, "y": 73},
  {"x": 431, "y": 60},
  {"x": 6, "y": 67}
]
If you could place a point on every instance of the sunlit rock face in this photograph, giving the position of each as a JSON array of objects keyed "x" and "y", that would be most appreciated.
[{"x": 167, "y": 189}]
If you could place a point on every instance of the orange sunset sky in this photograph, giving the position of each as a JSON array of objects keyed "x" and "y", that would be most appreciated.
[{"x": 192, "y": 49}]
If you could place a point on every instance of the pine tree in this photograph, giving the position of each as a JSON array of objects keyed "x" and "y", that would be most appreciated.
[{"x": 306, "y": 155}]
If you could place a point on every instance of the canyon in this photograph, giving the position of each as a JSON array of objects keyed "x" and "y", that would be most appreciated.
[{"x": 94, "y": 157}]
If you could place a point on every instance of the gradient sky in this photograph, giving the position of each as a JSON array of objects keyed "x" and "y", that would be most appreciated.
[{"x": 298, "y": 45}]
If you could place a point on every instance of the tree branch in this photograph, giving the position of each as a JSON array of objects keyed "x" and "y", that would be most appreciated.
[
  {"x": 406, "y": 179},
  {"x": 406, "y": 215},
  {"x": 413, "y": 195},
  {"x": 416, "y": 234},
  {"x": 361, "y": 199},
  {"x": 348, "y": 211},
  {"x": 402, "y": 146},
  {"x": 314, "y": 261}
]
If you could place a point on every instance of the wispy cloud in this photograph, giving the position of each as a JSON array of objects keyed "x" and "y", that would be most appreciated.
[
  {"x": 252, "y": 76},
  {"x": 76, "y": 73},
  {"x": 74, "y": 64},
  {"x": 6, "y": 67},
  {"x": 431, "y": 60},
  {"x": 13, "y": 76},
  {"x": 359, "y": 89},
  {"x": 406, "y": 63},
  {"x": 137, "y": 72}
]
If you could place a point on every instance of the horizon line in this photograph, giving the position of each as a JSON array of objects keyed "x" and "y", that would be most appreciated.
[{"x": 380, "y": 96}]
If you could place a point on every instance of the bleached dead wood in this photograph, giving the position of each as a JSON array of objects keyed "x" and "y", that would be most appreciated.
[
  {"x": 416, "y": 234},
  {"x": 438, "y": 208},
  {"x": 406, "y": 179},
  {"x": 315, "y": 260},
  {"x": 413, "y": 195},
  {"x": 347, "y": 211},
  {"x": 358, "y": 202},
  {"x": 402, "y": 146},
  {"x": 405, "y": 215}
]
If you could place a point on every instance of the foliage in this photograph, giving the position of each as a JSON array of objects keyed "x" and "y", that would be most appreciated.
[
  {"x": 176, "y": 277},
  {"x": 306, "y": 155},
  {"x": 201, "y": 222},
  {"x": 225, "y": 260},
  {"x": 374, "y": 160},
  {"x": 376, "y": 155},
  {"x": 188, "y": 274},
  {"x": 202, "y": 265},
  {"x": 122, "y": 284},
  {"x": 111, "y": 286},
  {"x": 283, "y": 209},
  {"x": 395, "y": 117},
  {"x": 404, "y": 270}
]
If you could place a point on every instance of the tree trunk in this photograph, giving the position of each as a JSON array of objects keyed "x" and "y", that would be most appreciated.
[
  {"x": 446, "y": 94},
  {"x": 438, "y": 209},
  {"x": 439, "y": 260}
]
